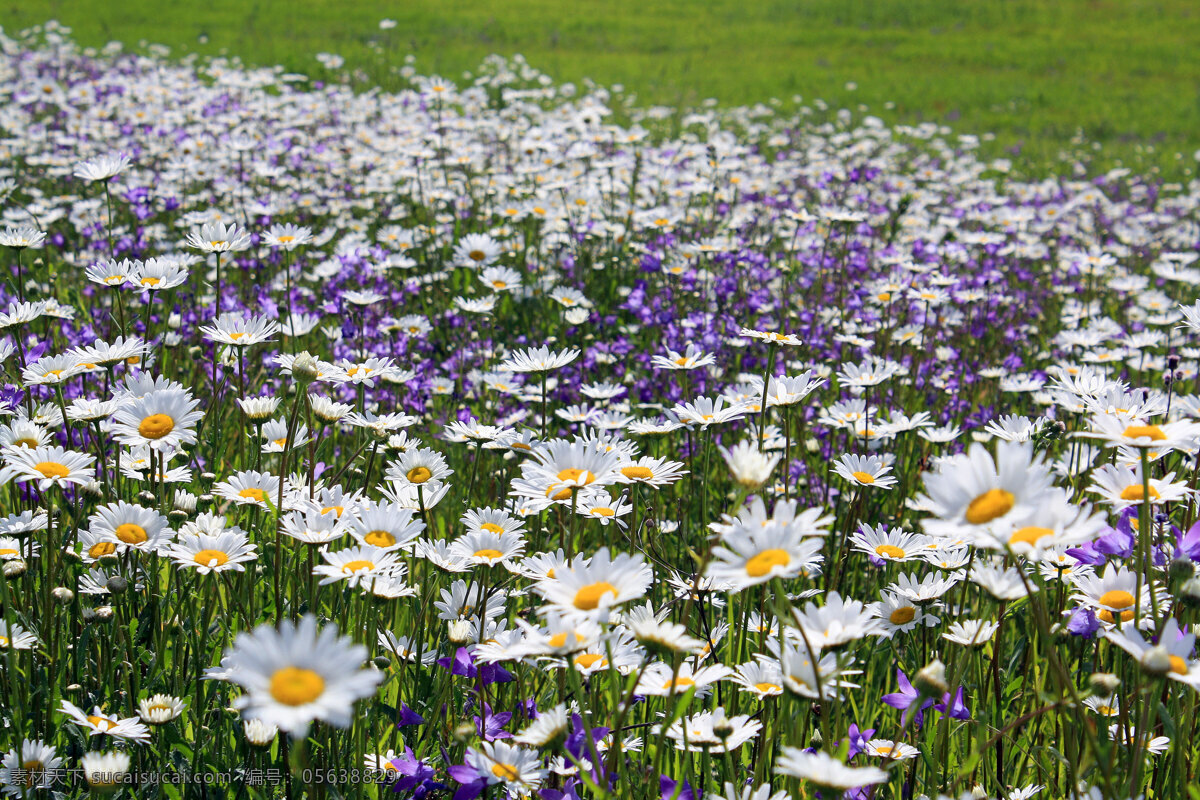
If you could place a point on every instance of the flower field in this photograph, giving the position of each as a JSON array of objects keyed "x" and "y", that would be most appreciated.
[{"x": 458, "y": 441}]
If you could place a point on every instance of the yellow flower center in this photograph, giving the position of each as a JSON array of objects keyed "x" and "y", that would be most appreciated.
[
  {"x": 1152, "y": 432},
  {"x": 992, "y": 504},
  {"x": 505, "y": 772},
  {"x": 52, "y": 469},
  {"x": 1030, "y": 535},
  {"x": 130, "y": 533},
  {"x": 9, "y": 551},
  {"x": 360, "y": 565},
  {"x": 601, "y": 511},
  {"x": 903, "y": 615},
  {"x": 210, "y": 558},
  {"x": 491, "y": 527},
  {"x": 681, "y": 681},
  {"x": 890, "y": 551},
  {"x": 587, "y": 659},
  {"x": 1178, "y": 665},
  {"x": 863, "y": 477},
  {"x": 768, "y": 688},
  {"x": 488, "y": 553},
  {"x": 477, "y": 255},
  {"x": 558, "y": 640},
  {"x": 102, "y": 549},
  {"x": 578, "y": 477},
  {"x": 150, "y": 281},
  {"x": 380, "y": 538},
  {"x": 103, "y": 723},
  {"x": 28, "y": 442},
  {"x": 637, "y": 473},
  {"x": 253, "y": 494},
  {"x": 588, "y": 598},
  {"x": 1117, "y": 600},
  {"x": 767, "y": 560},
  {"x": 156, "y": 426},
  {"x": 33, "y": 771},
  {"x": 419, "y": 474},
  {"x": 1136, "y": 492},
  {"x": 294, "y": 686},
  {"x": 337, "y": 512}
]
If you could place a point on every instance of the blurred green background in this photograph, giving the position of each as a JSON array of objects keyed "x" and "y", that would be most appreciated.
[{"x": 1125, "y": 73}]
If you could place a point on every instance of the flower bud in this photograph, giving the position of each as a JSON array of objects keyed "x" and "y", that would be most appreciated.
[
  {"x": 185, "y": 501},
  {"x": 304, "y": 368},
  {"x": 259, "y": 733},
  {"x": 1189, "y": 593},
  {"x": 460, "y": 631},
  {"x": 1181, "y": 569},
  {"x": 1104, "y": 683},
  {"x": 63, "y": 595},
  {"x": 931, "y": 680},
  {"x": 15, "y": 568},
  {"x": 117, "y": 584}
]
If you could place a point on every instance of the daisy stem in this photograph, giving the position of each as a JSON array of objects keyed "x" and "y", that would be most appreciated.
[
  {"x": 13, "y": 683},
  {"x": 1145, "y": 531},
  {"x": 770, "y": 370},
  {"x": 108, "y": 230}
]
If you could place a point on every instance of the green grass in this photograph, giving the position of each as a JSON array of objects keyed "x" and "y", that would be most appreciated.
[{"x": 1124, "y": 72}]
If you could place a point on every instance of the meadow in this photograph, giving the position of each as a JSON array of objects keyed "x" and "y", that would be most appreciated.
[
  {"x": 1044, "y": 77},
  {"x": 501, "y": 437}
]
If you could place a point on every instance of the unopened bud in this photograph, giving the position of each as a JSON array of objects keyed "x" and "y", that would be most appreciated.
[
  {"x": 1104, "y": 683},
  {"x": 15, "y": 568},
  {"x": 460, "y": 631},
  {"x": 146, "y": 498},
  {"x": 63, "y": 595},
  {"x": 117, "y": 584},
  {"x": 185, "y": 502},
  {"x": 304, "y": 368},
  {"x": 931, "y": 680},
  {"x": 1189, "y": 593},
  {"x": 104, "y": 613},
  {"x": 1181, "y": 569},
  {"x": 383, "y": 662}
]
